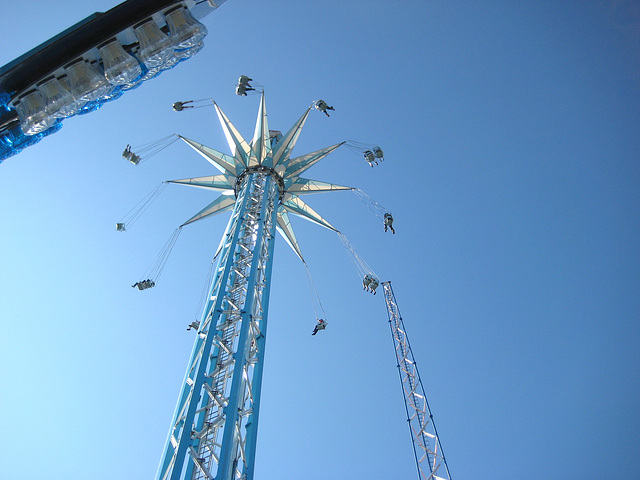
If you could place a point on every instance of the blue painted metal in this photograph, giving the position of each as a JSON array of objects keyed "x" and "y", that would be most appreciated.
[
  {"x": 218, "y": 290},
  {"x": 261, "y": 340},
  {"x": 219, "y": 283},
  {"x": 213, "y": 433},
  {"x": 254, "y": 220},
  {"x": 252, "y": 425},
  {"x": 229, "y": 454}
]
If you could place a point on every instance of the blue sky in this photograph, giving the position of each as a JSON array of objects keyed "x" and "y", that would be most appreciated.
[{"x": 512, "y": 169}]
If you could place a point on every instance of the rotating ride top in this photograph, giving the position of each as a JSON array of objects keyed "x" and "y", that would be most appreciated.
[
  {"x": 94, "y": 62},
  {"x": 213, "y": 432},
  {"x": 214, "y": 428}
]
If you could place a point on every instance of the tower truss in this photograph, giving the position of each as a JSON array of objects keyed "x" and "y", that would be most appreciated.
[
  {"x": 430, "y": 460},
  {"x": 213, "y": 432}
]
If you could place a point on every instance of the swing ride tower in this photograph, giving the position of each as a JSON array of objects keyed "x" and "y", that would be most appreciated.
[{"x": 214, "y": 427}]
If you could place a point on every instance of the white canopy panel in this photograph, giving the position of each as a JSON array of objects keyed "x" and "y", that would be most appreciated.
[
  {"x": 302, "y": 186},
  {"x": 302, "y": 163},
  {"x": 286, "y": 144},
  {"x": 286, "y": 230},
  {"x": 214, "y": 182},
  {"x": 220, "y": 204},
  {"x": 260, "y": 144},
  {"x": 222, "y": 161},
  {"x": 298, "y": 207},
  {"x": 237, "y": 143}
]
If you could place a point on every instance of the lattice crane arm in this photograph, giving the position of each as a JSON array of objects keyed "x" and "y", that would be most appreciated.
[{"x": 430, "y": 460}]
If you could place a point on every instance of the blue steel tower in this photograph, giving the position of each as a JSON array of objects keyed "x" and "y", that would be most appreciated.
[{"x": 214, "y": 428}]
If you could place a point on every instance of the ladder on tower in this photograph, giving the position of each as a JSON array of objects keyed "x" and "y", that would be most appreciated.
[{"x": 430, "y": 460}]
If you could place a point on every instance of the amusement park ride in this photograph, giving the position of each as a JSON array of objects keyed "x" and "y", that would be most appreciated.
[
  {"x": 95, "y": 61},
  {"x": 213, "y": 433}
]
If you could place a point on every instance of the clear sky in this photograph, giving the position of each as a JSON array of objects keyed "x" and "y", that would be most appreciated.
[{"x": 512, "y": 140}]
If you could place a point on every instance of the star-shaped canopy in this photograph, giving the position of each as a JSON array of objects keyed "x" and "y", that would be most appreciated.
[{"x": 262, "y": 152}]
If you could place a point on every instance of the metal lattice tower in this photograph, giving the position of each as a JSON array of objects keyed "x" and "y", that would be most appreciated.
[
  {"x": 430, "y": 460},
  {"x": 214, "y": 428}
]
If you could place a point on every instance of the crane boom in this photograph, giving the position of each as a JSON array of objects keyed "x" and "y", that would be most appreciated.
[{"x": 430, "y": 460}]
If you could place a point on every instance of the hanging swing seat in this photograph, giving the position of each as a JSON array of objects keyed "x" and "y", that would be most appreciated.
[
  {"x": 371, "y": 152},
  {"x": 154, "y": 272},
  {"x": 150, "y": 149},
  {"x": 144, "y": 284},
  {"x": 369, "y": 279}
]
